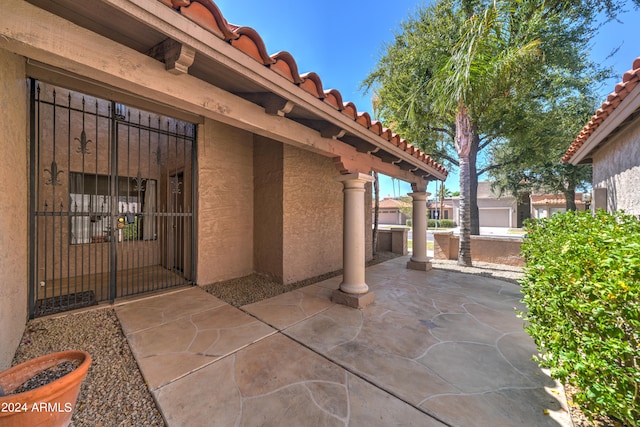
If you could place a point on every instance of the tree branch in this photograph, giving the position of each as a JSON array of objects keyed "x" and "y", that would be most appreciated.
[
  {"x": 443, "y": 130},
  {"x": 492, "y": 167}
]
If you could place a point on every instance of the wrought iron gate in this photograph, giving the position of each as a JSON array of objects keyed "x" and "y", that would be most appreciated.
[{"x": 111, "y": 200}]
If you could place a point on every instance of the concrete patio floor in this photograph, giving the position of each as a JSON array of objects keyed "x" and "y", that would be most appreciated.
[{"x": 436, "y": 348}]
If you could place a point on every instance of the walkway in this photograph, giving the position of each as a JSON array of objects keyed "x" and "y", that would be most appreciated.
[{"x": 436, "y": 348}]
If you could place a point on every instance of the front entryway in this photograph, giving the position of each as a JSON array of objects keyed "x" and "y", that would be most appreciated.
[{"x": 111, "y": 200}]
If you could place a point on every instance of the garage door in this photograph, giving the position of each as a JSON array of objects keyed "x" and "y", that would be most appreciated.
[{"x": 494, "y": 217}]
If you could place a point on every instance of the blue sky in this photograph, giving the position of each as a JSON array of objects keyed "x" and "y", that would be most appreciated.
[{"x": 341, "y": 40}]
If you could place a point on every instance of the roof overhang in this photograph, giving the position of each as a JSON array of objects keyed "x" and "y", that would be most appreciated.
[
  {"x": 621, "y": 108},
  {"x": 627, "y": 111},
  {"x": 234, "y": 59}
]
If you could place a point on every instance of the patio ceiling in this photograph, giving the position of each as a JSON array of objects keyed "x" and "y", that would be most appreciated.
[{"x": 194, "y": 38}]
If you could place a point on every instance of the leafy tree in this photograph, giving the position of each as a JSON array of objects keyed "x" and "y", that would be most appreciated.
[
  {"x": 540, "y": 129},
  {"x": 457, "y": 66},
  {"x": 474, "y": 54},
  {"x": 406, "y": 206}
]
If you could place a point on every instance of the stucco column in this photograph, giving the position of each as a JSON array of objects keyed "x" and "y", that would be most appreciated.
[
  {"x": 353, "y": 289},
  {"x": 419, "y": 260}
]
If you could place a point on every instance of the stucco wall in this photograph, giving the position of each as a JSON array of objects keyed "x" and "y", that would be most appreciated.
[
  {"x": 14, "y": 212},
  {"x": 312, "y": 226},
  {"x": 616, "y": 167},
  {"x": 492, "y": 249},
  {"x": 267, "y": 185},
  {"x": 225, "y": 202}
]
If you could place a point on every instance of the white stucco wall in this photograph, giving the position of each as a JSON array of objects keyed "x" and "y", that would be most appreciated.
[
  {"x": 616, "y": 167},
  {"x": 14, "y": 212}
]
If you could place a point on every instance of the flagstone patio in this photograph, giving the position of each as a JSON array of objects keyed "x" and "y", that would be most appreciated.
[{"x": 436, "y": 348}]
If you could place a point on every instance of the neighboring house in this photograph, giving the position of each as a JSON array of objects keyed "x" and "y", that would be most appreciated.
[
  {"x": 391, "y": 211},
  {"x": 495, "y": 211},
  {"x": 545, "y": 205},
  {"x": 148, "y": 144},
  {"x": 439, "y": 210},
  {"x": 611, "y": 142}
]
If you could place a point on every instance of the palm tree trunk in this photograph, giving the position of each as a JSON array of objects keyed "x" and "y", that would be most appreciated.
[
  {"x": 376, "y": 211},
  {"x": 473, "y": 180},
  {"x": 463, "y": 147},
  {"x": 464, "y": 252}
]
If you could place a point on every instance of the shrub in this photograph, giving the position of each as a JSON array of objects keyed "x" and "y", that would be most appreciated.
[
  {"x": 442, "y": 223},
  {"x": 582, "y": 291},
  {"x": 447, "y": 223}
]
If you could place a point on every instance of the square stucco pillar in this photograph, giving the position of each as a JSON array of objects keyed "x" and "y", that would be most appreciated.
[
  {"x": 353, "y": 291},
  {"x": 419, "y": 260}
]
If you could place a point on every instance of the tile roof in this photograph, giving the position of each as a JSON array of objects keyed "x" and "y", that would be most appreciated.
[
  {"x": 554, "y": 199},
  {"x": 622, "y": 90},
  {"x": 389, "y": 203},
  {"x": 207, "y": 14}
]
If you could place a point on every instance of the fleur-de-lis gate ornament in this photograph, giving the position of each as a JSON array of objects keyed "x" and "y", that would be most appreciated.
[
  {"x": 54, "y": 173},
  {"x": 83, "y": 143}
]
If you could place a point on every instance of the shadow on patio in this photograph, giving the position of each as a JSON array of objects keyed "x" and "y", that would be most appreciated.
[{"x": 436, "y": 348}]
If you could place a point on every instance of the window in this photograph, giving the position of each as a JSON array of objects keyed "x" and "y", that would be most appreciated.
[{"x": 89, "y": 201}]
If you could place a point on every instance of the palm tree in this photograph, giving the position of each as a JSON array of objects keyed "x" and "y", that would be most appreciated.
[
  {"x": 487, "y": 63},
  {"x": 376, "y": 211},
  {"x": 443, "y": 193}
]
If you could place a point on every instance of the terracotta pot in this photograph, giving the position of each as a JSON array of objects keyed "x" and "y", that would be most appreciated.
[{"x": 48, "y": 405}]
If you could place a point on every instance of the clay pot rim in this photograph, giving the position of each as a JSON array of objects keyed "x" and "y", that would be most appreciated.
[{"x": 42, "y": 363}]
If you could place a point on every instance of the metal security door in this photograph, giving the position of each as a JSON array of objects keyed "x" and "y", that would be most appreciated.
[{"x": 103, "y": 200}]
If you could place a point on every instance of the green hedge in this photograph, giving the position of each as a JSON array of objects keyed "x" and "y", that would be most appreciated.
[
  {"x": 443, "y": 223},
  {"x": 582, "y": 292}
]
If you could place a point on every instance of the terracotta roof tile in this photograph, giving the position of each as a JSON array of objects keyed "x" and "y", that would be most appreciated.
[
  {"x": 250, "y": 42},
  {"x": 553, "y": 199},
  {"x": 386, "y": 134},
  {"x": 376, "y": 127},
  {"x": 312, "y": 84},
  {"x": 389, "y": 203},
  {"x": 350, "y": 110},
  {"x": 364, "y": 119},
  {"x": 334, "y": 98},
  {"x": 213, "y": 21},
  {"x": 629, "y": 82},
  {"x": 207, "y": 14},
  {"x": 285, "y": 65}
]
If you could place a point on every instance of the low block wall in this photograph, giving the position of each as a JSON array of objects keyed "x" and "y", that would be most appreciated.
[
  {"x": 393, "y": 240},
  {"x": 493, "y": 249}
]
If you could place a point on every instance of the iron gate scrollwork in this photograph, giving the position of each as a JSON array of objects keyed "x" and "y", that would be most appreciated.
[{"x": 112, "y": 211}]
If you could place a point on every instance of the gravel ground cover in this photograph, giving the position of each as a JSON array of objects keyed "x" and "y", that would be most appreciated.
[
  {"x": 115, "y": 393},
  {"x": 256, "y": 287}
]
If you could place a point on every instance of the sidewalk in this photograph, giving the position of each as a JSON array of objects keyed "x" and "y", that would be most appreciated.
[{"x": 436, "y": 348}]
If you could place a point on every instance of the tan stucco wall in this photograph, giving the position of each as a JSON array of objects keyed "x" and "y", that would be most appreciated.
[
  {"x": 225, "y": 202},
  {"x": 492, "y": 249},
  {"x": 312, "y": 227},
  {"x": 14, "y": 212},
  {"x": 616, "y": 167},
  {"x": 267, "y": 185}
]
